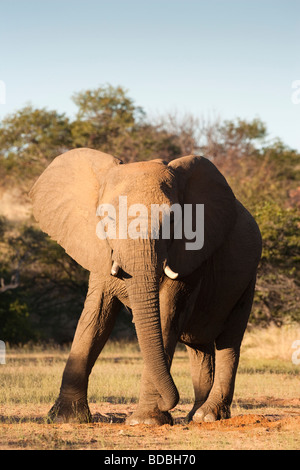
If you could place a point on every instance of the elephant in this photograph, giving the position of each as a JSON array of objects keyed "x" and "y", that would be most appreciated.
[{"x": 199, "y": 297}]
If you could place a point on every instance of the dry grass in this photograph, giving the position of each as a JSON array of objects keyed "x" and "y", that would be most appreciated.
[{"x": 265, "y": 412}]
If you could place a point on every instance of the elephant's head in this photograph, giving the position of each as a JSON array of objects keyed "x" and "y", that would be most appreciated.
[{"x": 67, "y": 196}]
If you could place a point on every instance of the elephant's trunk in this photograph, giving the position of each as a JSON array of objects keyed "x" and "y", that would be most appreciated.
[{"x": 143, "y": 291}]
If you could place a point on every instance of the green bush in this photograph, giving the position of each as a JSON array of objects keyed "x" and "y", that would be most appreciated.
[{"x": 15, "y": 325}]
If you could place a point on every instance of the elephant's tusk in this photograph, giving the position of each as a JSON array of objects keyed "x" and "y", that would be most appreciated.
[
  {"x": 114, "y": 269},
  {"x": 170, "y": 273}
]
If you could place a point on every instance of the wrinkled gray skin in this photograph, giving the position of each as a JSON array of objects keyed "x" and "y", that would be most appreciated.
[{"x": 206, "y": 307}]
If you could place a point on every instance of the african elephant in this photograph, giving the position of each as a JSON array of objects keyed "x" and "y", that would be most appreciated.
[{"x": 200, "y": 297}]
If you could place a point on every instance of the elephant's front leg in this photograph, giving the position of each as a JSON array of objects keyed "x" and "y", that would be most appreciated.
[{"x": 93, "y": 329}]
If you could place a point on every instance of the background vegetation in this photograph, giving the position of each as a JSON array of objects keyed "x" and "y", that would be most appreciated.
[{"x": 42, "y": 289}]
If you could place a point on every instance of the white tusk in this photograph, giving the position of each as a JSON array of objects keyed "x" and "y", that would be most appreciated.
[
  {"x": 114, "y": 269},
  {"x": 170, "y": 273}
]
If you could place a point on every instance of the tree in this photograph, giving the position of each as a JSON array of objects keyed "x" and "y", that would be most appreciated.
[
  {"x": 229, "y": 140},
  {"x": 105, "y": 119},
  {"x": 29, "y": 140},
  {"x": 108, "y": 120}
]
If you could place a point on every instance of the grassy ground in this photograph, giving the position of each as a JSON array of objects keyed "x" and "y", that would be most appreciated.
[{"x": 265, "y": 412}]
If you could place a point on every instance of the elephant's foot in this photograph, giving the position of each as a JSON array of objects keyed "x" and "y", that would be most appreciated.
[
  {"x": 154, "y": 417},
  {"x": 209, "y": 413},
  {"x": 70, "y": 412}
]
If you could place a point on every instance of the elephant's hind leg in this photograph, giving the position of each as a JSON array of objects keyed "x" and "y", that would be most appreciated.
[
  {"x": 202, "y": 371},
  {"x": 227, "y": 352}
]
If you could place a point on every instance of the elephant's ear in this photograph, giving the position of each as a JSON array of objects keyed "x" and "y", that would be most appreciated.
[
  {"x": 65, "y": 199},
  {"x": 200, "y": 182}
]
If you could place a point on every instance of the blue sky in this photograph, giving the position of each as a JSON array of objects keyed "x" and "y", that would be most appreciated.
[{"x": 227, "y": 58}]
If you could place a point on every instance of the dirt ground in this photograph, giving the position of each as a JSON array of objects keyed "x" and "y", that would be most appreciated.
[
  {"x": 268, "y": 424},
  {"x": 265, "y": 409}
]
